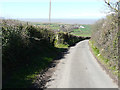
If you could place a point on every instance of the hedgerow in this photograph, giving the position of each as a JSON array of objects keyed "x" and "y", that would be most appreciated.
[{"x": 21, "y": 41}]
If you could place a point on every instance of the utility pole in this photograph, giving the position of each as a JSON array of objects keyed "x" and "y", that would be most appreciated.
[{"x": 50, "y": 12}]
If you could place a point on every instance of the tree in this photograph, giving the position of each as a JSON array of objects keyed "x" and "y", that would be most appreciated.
[{"x": 114, "y": 5}]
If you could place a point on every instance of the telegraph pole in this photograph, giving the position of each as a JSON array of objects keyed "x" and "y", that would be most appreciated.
[{"x": 50, "y": 12}]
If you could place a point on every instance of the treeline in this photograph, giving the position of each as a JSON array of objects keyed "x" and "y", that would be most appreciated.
[
  {"x": 105, "y": 41},
  {"x": 22, "y": 43}
]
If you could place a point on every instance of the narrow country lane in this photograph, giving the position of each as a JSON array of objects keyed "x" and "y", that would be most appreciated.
[{"x": 79, "y": 69}]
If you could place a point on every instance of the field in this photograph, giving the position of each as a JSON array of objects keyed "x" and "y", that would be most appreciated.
[
  {"x": 53, "y": 26},
  {"x": 85, "y": 32}
]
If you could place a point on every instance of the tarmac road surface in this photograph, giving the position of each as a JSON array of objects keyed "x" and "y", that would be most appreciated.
[{"x": 79, "y": 69}]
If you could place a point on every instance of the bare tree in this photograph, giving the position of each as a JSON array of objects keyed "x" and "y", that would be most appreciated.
[{"x": 114, "y": 5}]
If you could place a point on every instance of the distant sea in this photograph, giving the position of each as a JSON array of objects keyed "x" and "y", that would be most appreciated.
[{"x": 65, "y": 21}]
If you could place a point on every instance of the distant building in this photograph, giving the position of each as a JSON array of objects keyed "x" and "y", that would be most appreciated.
[{"x": 82, "y": 27}]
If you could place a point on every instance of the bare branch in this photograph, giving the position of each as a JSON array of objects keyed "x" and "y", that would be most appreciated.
[{"x": 112, "y": 7}]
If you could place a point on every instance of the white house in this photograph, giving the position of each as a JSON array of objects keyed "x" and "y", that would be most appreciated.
[{"x": 82, "y": 27}]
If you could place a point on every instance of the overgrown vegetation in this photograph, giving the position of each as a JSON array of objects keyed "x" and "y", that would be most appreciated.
[
  {"x": 104, "y": 42},
  {"x": 102, "y": 59},
  {"x": 28, "y": 49}
]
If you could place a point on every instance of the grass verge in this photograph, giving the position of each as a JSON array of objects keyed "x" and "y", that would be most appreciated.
[
  {"x": 61, "y": 46},
  {"x": 105, "y": 62}
]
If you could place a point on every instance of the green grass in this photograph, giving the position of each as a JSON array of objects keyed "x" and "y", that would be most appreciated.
[
  {"x": 55, "y": 27},
  {"x": 85, "y": 32},
  {"x": 61, "y": 46},
  {"x": 103, "y": 60}
]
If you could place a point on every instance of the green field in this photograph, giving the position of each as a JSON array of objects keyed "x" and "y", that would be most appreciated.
[
  {"x": 54, "y": 26},
  {"x": 86, "y": 32}
]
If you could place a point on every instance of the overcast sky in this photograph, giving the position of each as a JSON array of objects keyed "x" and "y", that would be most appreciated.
[{"x": 74, "y": 9}]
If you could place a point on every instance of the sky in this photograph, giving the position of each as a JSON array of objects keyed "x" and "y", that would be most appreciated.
[{"x": 61, "y": 9}]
